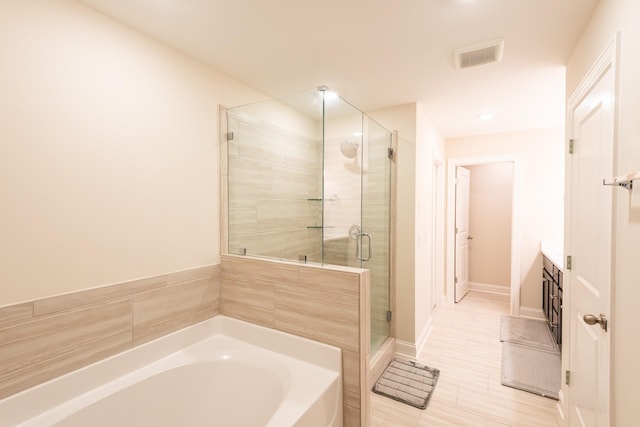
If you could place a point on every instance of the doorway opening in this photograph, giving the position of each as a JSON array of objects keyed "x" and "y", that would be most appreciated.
[{"x": 492, "y": 236}]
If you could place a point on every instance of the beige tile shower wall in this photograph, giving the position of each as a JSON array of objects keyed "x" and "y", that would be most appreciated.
[
  {"x": 273, "y": 172},
  {"x": 336, "y": 250},
  {"x": 46, "y": 338},
  {"x": 320, "y": 303},
  {"x": 342, "y": 187}
]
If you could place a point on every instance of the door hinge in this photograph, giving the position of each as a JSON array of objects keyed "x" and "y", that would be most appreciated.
[
  {"x": 390, "y": 153},
  {"x": 455, "y": 280},
  {"x": 389, "y": 315},
  {"x": 572, "y": 146},
  {"x": 229, "y": 136},
  {"x": 567, "y": 377},
  {"x": 569, "y": 261}
]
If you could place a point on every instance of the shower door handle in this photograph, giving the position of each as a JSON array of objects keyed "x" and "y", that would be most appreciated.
[{"x": 359, "y": 247}]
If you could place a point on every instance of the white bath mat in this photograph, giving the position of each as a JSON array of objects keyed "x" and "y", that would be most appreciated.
[
  {"x": 531, "y": 369},
  {"x": 408, "y": 382},
  {"x": 523, "y": 331}
]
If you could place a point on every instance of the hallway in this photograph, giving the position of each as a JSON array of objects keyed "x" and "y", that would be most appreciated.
[{"x": 464, "y": 344}]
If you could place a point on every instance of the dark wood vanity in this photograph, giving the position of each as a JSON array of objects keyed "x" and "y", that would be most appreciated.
[{"x": 552, "y": 297}]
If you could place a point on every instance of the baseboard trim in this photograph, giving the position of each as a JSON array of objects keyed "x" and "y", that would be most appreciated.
[
  {"x": 424, "y": 335},
  {"x": 533, "y": 313},
  {"x": 411, "y": 350},
  {"x": 406, "y": 349},
  {"x": 560, "y": 420},
  {"x": 489, "y": 288}
]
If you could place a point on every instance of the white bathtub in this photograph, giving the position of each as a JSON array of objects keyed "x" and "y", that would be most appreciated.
[{"x": 222, "y": 372}]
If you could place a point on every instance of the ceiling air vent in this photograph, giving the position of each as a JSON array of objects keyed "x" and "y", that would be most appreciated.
[{"x": 478, "y": 54}]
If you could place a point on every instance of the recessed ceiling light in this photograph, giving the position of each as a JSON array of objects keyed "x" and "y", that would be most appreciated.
[
  {"x": 486, "y": 116},
  {"x": 330, "y": 96},
  {"x": 456, "y": 3}
]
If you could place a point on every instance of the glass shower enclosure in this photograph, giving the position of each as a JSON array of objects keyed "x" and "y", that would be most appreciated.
[{"x": 309, "y": 180}]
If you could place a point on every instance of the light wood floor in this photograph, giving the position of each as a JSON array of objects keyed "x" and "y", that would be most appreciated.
[{"x": 464, "y": 344}]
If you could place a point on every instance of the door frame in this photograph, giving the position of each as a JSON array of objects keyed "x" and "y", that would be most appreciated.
[
  {"x": 608, "y": 59},
  {"x": 462, "y": 216},
  {"x": 437, "y": 237},
  {"x": 453, "y": 163}
]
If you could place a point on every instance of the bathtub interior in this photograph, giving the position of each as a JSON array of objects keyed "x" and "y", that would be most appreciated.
[
  {"x": 222, "y": 374},
  {"x": 196, "y": 399}
]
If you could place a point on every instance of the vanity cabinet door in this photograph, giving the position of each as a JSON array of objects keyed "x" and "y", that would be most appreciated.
[
  {"x": 552, "y": 297},
  {"x": 559, "y": 330},
  {"x": 547, "y": 293}
]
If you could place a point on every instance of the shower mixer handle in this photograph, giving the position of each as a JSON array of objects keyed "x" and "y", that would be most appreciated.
[{"x": 354, "y": 231}]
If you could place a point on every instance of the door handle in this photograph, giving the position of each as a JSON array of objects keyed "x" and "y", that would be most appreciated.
[
  {"x": 469, "y": 237},
  {"x": 590, "y": 319},
  {"x": 359, "y": 244}
]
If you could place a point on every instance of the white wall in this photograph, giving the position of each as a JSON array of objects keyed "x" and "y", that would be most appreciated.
[
  {"x": 610, "y": 17},
  {"x": 419, "y": 143},
  {"x": 541, "y": 201},
  {"x": 429, "y": 146},
  {"x": 109, "y": 154},
  {"x": 490, "y": 205}
]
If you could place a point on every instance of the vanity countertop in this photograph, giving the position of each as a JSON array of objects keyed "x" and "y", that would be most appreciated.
[{"x": 554, "y": 252}]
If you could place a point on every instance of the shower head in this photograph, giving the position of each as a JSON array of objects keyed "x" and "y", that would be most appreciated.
[{"x": 349, "y": 149}]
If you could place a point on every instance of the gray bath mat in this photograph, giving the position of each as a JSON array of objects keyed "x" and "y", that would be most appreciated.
[
  {"x": 408, "y": 382},
  {"x": 531, "y": 332},
  {"x": 531, "y": 369}
]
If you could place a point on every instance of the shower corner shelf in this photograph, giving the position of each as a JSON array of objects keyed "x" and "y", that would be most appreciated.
[{"x": 624, "y": 181}]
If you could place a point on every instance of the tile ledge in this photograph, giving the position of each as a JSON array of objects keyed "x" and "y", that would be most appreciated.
[{"x": 329, "y": 267}]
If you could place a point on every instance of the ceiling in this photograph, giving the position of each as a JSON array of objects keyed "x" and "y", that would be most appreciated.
[{"x": 381, "y": 53}]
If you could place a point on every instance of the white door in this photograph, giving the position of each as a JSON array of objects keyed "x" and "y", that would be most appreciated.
[
  {"x": 590, "y": 241},
  {"x": 462, "y": 233}
]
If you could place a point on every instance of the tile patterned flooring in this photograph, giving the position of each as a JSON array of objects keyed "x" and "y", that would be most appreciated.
[{"x": 464, "y": 344}]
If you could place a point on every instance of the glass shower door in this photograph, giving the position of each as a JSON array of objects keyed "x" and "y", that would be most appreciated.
[
  {"x": 357, "y": 193},
  {"x": 374, "y": 243}
]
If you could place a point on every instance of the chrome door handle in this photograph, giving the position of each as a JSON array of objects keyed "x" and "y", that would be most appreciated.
[
  {"x": 368, "y": 236},
  {"x": 359, "y": 244},
  {"x": 590, "y": 319}
]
